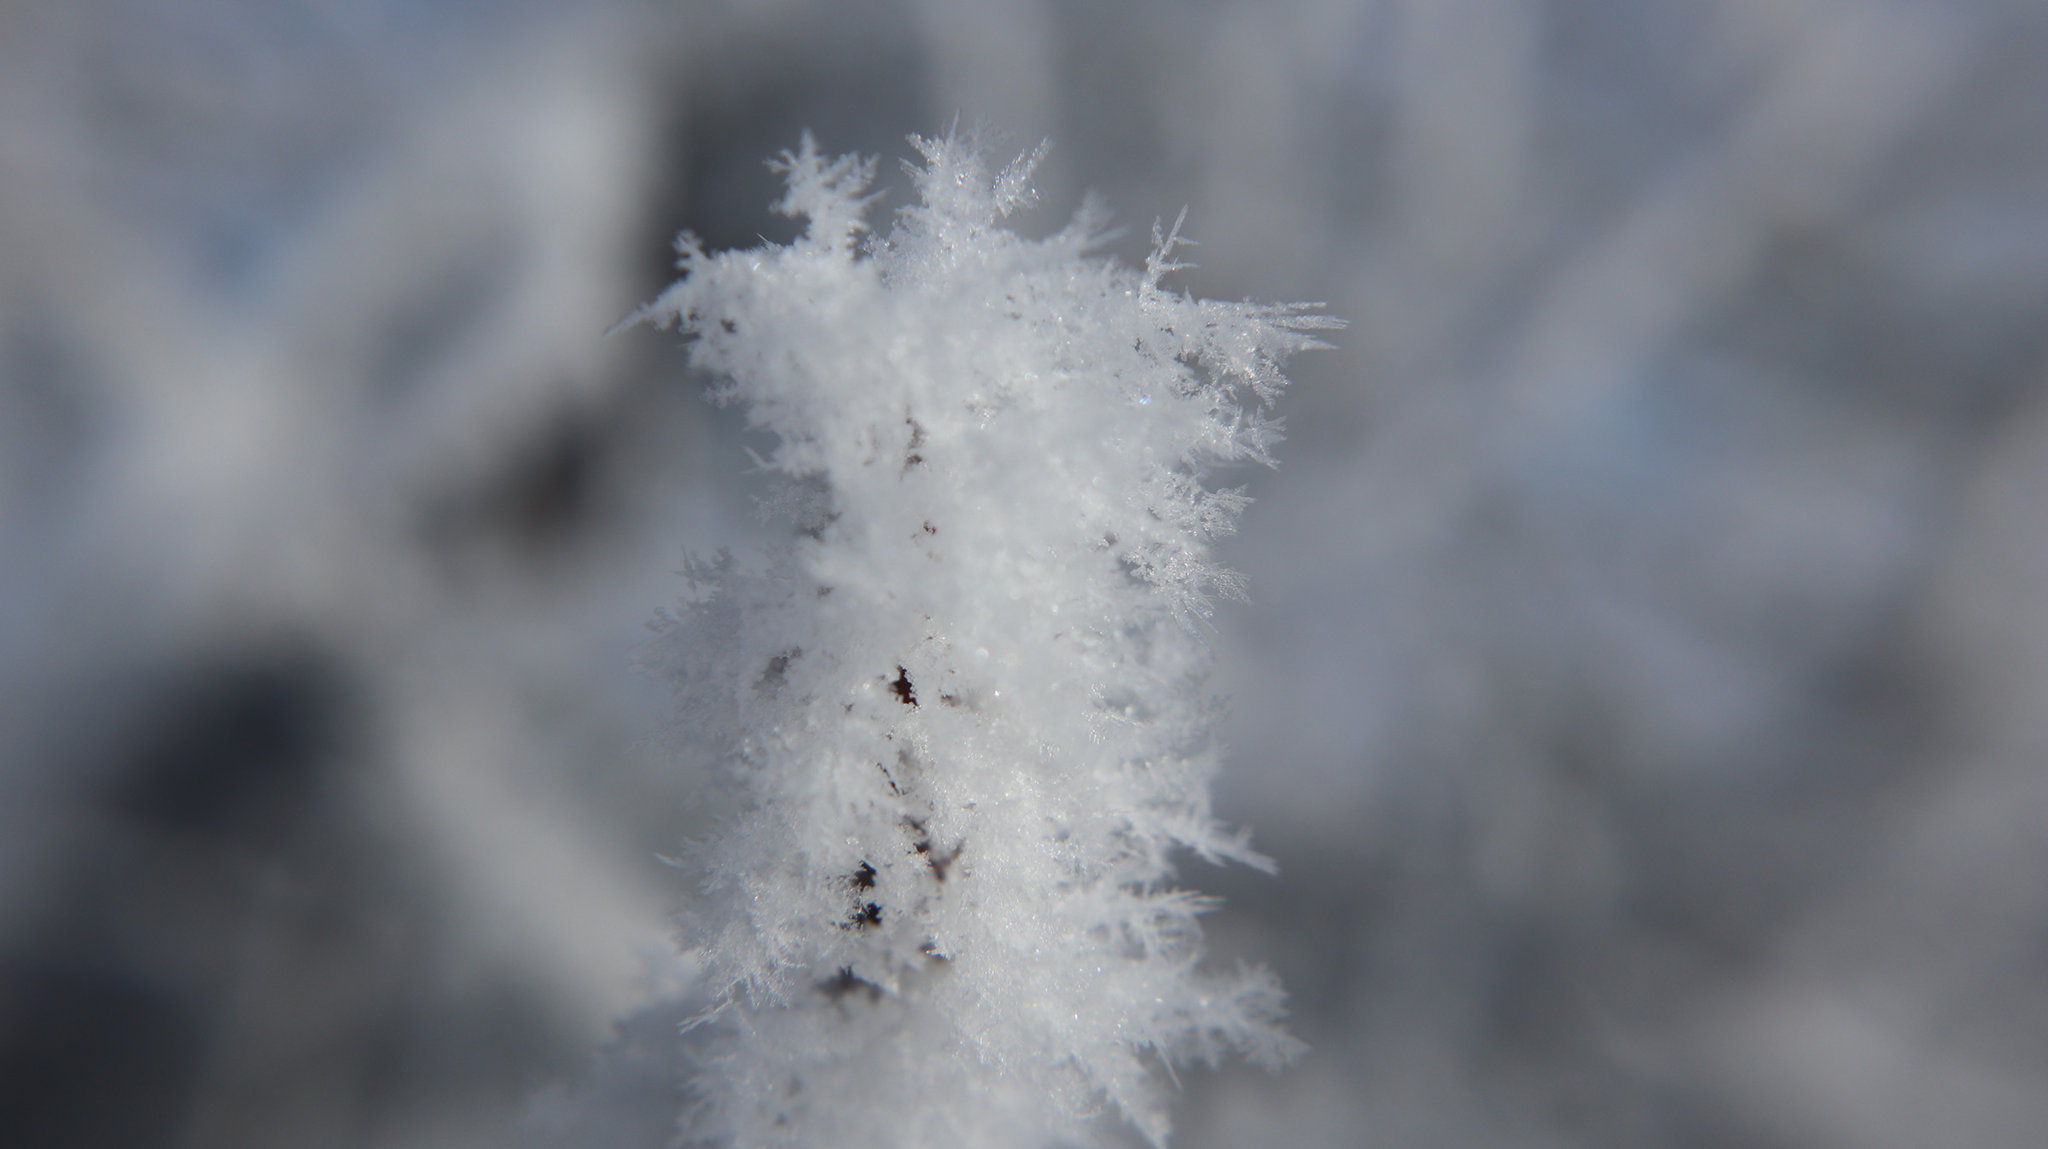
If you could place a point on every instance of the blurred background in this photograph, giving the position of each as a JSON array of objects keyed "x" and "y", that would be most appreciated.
[{"x": 1645, "y": 692}]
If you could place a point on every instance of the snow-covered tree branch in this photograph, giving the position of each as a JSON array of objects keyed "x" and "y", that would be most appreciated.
[{"x": 963, "y": 708}]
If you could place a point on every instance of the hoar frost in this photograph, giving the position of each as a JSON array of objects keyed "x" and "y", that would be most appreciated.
[{"x": 963, "y": 709}]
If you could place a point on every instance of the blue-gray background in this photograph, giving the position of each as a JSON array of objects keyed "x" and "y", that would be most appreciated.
[{"x": 1643, "y": 692}]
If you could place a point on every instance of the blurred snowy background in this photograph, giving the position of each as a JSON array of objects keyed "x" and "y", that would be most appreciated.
[{"x": 1646, "y": 692}]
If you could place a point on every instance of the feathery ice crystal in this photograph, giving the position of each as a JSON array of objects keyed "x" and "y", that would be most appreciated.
[{"x": 963, "y": 709}]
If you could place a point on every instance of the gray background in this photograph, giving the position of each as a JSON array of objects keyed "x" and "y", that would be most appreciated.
[{"x": 1639, "y": 692}]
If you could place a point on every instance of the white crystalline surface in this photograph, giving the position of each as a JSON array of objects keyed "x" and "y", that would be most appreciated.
[{"x": 963, "y": 710}]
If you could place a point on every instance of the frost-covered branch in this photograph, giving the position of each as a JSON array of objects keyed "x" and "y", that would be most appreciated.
[{"x": 964, "y": 707}]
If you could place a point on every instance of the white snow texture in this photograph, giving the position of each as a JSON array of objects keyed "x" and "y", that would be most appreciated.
[{"x": 963, "y": 709}]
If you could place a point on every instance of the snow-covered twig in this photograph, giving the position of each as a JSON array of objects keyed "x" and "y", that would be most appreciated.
[{"x": 964, "y": 707}]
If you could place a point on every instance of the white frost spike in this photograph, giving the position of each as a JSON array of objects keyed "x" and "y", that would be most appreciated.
[{"x": 964, "y": 709}]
